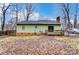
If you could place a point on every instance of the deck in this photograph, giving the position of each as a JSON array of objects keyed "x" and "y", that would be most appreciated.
[{"x": 55, "y": 33}]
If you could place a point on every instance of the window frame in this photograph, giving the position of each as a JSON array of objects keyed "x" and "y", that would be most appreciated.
[{"x": 50, "y": 28}]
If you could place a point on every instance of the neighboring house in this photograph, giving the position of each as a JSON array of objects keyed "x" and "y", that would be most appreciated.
[{"x": 39, "y": 27}]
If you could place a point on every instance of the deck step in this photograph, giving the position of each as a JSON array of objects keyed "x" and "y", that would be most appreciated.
[{"x": 54, "y": 33}]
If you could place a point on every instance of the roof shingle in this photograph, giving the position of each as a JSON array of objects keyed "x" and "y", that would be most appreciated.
[{"x": 38, "y": 22}]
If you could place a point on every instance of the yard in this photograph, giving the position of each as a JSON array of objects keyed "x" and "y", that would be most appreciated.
[{"x": 39, "y": 45}]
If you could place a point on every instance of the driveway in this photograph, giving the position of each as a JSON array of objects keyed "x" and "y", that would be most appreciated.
[{"x": 2, "y": 37}]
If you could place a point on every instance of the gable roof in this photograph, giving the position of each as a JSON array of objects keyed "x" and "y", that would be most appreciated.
[{"x": 43, "y": 22}]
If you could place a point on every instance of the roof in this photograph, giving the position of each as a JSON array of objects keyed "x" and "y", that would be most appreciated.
[{"x": 43, "y": 22}]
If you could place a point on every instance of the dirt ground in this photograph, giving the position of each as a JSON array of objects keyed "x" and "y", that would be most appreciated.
[{"x": 39, "y": 45}]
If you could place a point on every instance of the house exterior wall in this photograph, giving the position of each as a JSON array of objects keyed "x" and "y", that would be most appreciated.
[{"x": 36, "y": 28}]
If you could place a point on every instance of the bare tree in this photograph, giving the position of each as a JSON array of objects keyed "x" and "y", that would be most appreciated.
[
  {"x": 75, "y": 18},
  {"x": 66, "y": 13},
  {"x": 4, "y": 9},
  {"x": 13, "y": 17},
  {"x": 29, "y": 10},
  {"x": 16, "y": 7}
]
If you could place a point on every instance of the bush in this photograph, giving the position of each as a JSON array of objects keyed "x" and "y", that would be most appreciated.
[
  {"x": 2, "y": 33},
  {"x": 10, "y": 32}
]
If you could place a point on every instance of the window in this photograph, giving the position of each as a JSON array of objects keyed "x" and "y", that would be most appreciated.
[
  {"x": 50, "y": 28},
  {"x": 23, "y": 27}
]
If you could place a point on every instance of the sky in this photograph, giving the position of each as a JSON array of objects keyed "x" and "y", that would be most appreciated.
[
  {"x": 51, "y": 10},
  {"x": 48, "y": 10}
]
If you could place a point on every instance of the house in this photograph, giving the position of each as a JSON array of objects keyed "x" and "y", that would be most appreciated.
[{"x": 39, "y": 27}]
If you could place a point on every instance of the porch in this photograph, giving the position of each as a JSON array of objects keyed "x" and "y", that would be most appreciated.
[{"x": 56, "y": 32}]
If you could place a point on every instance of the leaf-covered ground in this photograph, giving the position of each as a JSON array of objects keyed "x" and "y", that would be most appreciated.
[{"x": 39, "y": 45}]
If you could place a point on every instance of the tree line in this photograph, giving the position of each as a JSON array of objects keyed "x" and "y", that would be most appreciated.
[
  {"x": 30, "y": 7},
  {"x": 66, "y": 9}
]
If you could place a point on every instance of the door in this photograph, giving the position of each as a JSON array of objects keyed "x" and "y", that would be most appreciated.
[{"x": 50, "y": 28}]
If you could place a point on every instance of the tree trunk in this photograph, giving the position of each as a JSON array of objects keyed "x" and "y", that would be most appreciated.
[
  {"x": 27, "y": 18},
  {"x": 3, "y": 22},
  {"x": 75, "y": 23},
  {"x": 75, "y": 19}
]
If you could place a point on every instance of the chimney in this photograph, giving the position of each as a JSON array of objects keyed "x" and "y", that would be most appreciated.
[{"x": 58, "y": 19}]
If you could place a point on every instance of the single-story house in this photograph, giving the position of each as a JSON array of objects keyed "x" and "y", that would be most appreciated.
[{"x": 38, "y": 27}]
